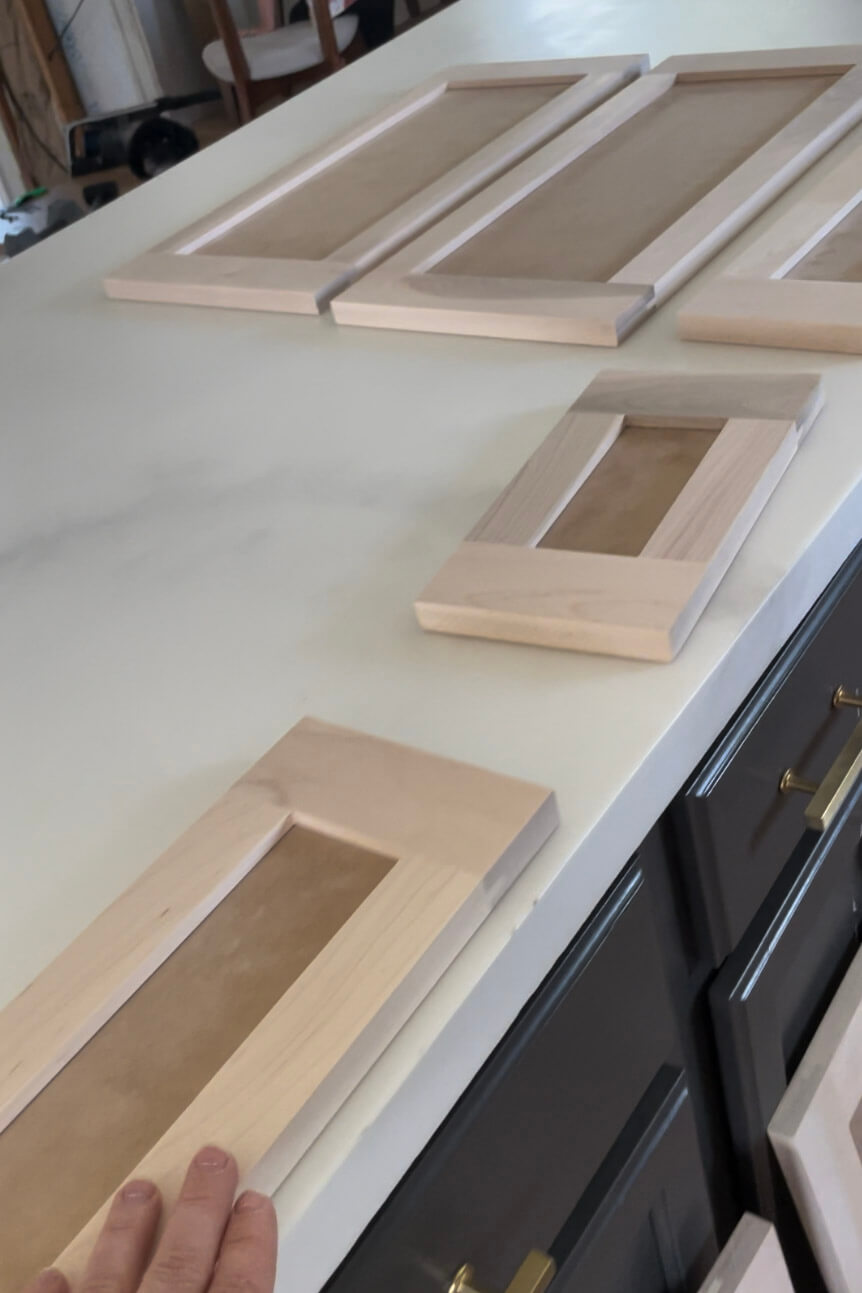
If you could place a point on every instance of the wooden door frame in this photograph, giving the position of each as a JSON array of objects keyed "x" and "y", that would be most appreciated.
[
  {"x": 171, "y": 273},
  {"x": 500, "y": 584},
  {"x": 457, "y": 836},
  {"x": 403, "y": 293},
  {"x": 753, "y": 302}
]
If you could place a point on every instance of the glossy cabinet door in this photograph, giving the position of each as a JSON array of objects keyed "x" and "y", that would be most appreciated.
[
  {"x": 768, "y": 1000},
  {"x": 645, "y": 1226},
  {"x": 736, "y": 829},
  {"x": 584, "y": 1098}
]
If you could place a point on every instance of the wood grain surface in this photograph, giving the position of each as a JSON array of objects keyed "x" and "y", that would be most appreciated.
[
  {"x": 620, "y": 504},
  {"x": 321, "y": 221},
  {"x": 580, "y": 601},
  {"x": 542, "y": 488},
  {"x": 616, "y": 532},
  {"x": 712, "y": 398},
  {"x": 314, "y": 220},
  {"x": 838, "y": 258},
  {"x": 800, "y": 284},
  {"x": 580, "y": 242},
  {"x": 594, "y": 216},
  {"x": 718, "y": 505},
  {"x": 86, "y": 1132},
  {"x": 795, "y": 313},
  {"x": 447, "y": 840}
]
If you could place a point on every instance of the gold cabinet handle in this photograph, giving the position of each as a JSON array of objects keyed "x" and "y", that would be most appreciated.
[
  {"x": 836, "y": 786},
  {"x": 532, "y": 1276},
  {"x": 842, "y": 696}
]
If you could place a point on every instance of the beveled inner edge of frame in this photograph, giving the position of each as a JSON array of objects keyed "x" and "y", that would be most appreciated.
[
  {"x": 76, "y": 1142},
  {"x": 593, "y": 217},
  {"x": 837, "y": 258},
  {"x": 629, "y": 492},
  {"x": 319, "y": 215}
]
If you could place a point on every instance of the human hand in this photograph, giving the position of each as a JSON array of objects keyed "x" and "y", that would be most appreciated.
[{"x": 210, "y": 1244}]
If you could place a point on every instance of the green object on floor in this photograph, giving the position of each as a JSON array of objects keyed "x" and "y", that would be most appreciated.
[{"x": 27, "y": 197}]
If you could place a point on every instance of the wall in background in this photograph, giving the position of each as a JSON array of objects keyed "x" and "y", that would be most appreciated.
[
  {"x": 40, "y": 136},
  {"x": 107, "y": 52},
  {"x": 175, "y": 36},
  {"x": 11, "y": 183}
]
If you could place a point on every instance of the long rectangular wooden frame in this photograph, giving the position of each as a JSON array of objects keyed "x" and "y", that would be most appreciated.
[
  {"x": 817, "y": 1135},
  {"x": 499, "y": 584},
  {"x": 753, "y": 302},
  {"x": 172, "y": 273},
  {"x": 459, "y": 836},
  {"x": 402, "y": 293}
]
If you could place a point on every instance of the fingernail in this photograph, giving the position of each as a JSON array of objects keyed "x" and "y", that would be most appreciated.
[
  {"x": 138, "y": 1191},
  {"x": 212, "y": 1159},
  {"x": 251, "y": 1201}
]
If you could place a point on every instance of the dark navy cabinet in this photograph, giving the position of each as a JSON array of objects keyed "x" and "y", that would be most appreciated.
[{"x": 620, "y": 1126}]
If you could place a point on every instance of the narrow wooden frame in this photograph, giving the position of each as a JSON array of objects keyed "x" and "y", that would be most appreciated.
[
  {"x": 404, "y": 293},
  {"x": 817, "y": 1135},
  {"x": 171, "y": 273},
  {"x": 499, "y": 584},
  {"x": 755, "y": 302},
  {"x": 458, "y": 836},
  {"x": 750, "y": 1262}
]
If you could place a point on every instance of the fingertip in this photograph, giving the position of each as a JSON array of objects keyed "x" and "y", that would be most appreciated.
[
  {"x": 50, "y": 1281},
  {"x": 249, "y": 1252},
  {"x": 252, "y": 1201}
]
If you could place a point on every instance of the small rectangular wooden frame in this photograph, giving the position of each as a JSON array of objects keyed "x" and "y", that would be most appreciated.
[
  {"x": 414, "y": 289},
  {"x": 750, "y": 1262},
  {"x": 758, "y": 301},
  {"x": 500, "y": 584},
  {"x": 183, "y": 270},
  {"x": 817, "y": 1135},
  {"x": 456, "y": 836}
]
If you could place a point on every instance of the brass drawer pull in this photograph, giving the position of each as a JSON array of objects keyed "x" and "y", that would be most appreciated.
[
  {"x": 532, "y": 1276},
  {"x": 844, "y": 697},
  {"x": 835, "y": 787}
]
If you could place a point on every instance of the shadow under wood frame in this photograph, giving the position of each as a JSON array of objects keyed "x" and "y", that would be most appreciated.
[
  {"x": 800, "y": 284},
  {"x": 580, "y": 242}
]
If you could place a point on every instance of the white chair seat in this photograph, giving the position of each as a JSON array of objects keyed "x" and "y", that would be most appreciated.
[{"x": 288, "y": 49}]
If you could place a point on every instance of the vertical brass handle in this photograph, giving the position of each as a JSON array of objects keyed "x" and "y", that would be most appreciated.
[
  {"x": 836, "y": 786},
  {"x": 532, "y": 1276}
]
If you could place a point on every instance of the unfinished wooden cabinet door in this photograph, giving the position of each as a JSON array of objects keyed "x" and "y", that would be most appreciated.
[
  {"x": 817, "y": 1134},
  {"x": 247, "y": 981},
  {"x": 308, "y": 231},
  {"x": 799, "y": 285},
  {"x": 581, "y": 241},
  {"x": 617, "y": 531}
]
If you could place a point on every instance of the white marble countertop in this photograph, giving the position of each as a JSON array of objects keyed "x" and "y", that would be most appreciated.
[{"x": 212, "y": 523}]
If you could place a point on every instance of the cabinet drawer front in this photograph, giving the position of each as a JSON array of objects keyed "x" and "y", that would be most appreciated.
[
  {"x": 645, "y": 1224},
  {"x": 737, "y": 828},
  {"x": 767, "y": 1002},
  {"x": 510, "y": 1164}
]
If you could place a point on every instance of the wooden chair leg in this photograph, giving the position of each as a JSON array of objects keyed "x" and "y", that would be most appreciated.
[{"x": 228, "y": 98}]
